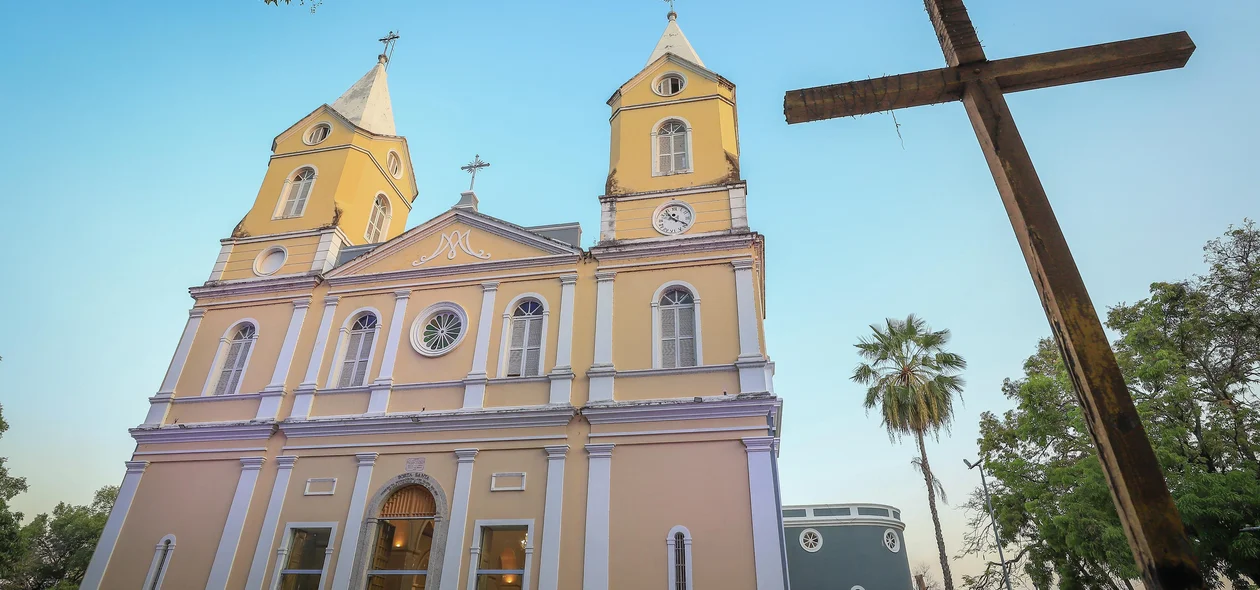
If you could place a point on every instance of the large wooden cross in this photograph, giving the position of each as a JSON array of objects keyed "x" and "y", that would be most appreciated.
[{"x": 1150, "y": 518}]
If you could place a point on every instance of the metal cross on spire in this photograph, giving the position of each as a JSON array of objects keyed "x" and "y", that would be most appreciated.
[
  {"x": 473, "y": 167},
  {"x": 671, "y": 5},
  {"x": 388, "y": 52}
]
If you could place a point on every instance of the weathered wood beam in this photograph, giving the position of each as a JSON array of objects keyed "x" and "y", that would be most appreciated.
[{"x": 1041, "y": 70}]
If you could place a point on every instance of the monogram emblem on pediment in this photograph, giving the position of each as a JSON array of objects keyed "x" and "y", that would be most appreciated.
[{"x": 452, "y": 244}]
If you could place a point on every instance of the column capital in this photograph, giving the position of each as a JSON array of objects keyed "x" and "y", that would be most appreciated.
[
  {"x": 196, "y": 312},
  {"x": 556, "y": 451},
  {"x": 742, "y": 264},
  {"x": 331, "y": 300},
  {"x": 490, "y": 286},
  {"x": 758, "y": 444},
  {"x": 252, "y": 463},
  {"x": 568, "y": 279},
  {"x": 366, "y": 459},
  {"x": 286, "y": 461},
  {"x": 466, "y": 455},
  {"x": 136, "y": 466},
  {"x": 605, "y": 276},
  {"x": 600, "y": 451},
  {"x": 402, "y": 294},
  {"x": 302, "y": 303}
]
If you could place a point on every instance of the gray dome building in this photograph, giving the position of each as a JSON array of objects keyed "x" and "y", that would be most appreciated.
[{"x": 846, "y": 547}]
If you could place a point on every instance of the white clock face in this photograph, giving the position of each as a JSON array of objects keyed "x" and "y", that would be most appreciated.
[{"x": 674, "y": 219}]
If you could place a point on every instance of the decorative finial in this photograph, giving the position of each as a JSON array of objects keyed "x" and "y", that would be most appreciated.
[
  {"x": 388, "y": 52},
  {"x": 672, "y": 15},
  {"x": 473, "y": 167}
]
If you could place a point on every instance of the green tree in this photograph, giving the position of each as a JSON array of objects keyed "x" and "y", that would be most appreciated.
[
  {"x": 912, "y": 380},
  {"x": 10, "y": 521},
  {"x": 57, "y": 548}
]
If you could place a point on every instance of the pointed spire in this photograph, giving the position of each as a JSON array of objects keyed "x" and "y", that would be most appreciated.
[
  {"x": 673, "y": 41},
  {"x": 367, "y": 104}
]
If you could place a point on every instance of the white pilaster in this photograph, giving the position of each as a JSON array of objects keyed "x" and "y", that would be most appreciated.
[
  {"x": 459, "y": 519},
  {"x": 220, "y": 263},
  {"x": 475, "y": 382},
  {"x": 271, "y": 522},
  {"x": 751, "y": 361},
  {"x": 231, "y": 537},
  {"x": 113, "y": 526},
  {"x": 549, "y": 567},
  {"x": 607, "y": 220},
  {"x": 306, "y": 390},
  {"x": 354, "y": 520},
  {"x": 738, "y": 200},
  {"x": 326, "y": 252},
  {"x": 160, "y": 403},
  {"x": 379, "y": 402},
  {"x": 602, "y": 371},
  {"x": 598, "y": 503},
  {"x": 767, "y": 557},
  {"x": 562, "y": 375},
  {"x": 271, "y": 394}
]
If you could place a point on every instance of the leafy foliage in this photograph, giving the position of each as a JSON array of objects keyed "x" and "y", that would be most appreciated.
[{"x": 1191, "y": 355}]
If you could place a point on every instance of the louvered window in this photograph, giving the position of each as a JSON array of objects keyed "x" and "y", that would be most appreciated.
[
  {"x": 299, "y": 190},
  {"x": 525, "y": 347},
  {"x": 377, "y": 220},
  {"x": 354, "y": 367},
  {"x": 671, "y": 148},
  {"x": 233, "y": 367},
  {"x": 678, "y": 329}
]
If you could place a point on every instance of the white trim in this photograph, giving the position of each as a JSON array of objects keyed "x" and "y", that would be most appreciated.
[
  {"x": 203, "y": 432},
  {"x": 738, "y": 205},
  {"x": 306, "y": 390},
  {"x": 561, "y": 375},
  {"x": 200, "y": 451},
  {"x": 258, "y": 260},
  {"x": 220, "y": 263},
  {"x": 721, "y": 406},
  {"x": 631, "y": 373},
  {"x": 598, "y": 503},
  {"x": 677, "y": 431},
  {"x": 475, "y": 382},
  {"x": 656, "y": 324},
  {"x": 326, "y": 252},
  {"x": 283, "y": 551},
  {"x": 384, "y": 227},
  {"x": 278, "y": 213},
  {"x": 354, "y": 520},
  {"x": 225, "y": 342},
  {"x": 159, "y": 407},
  {"x": 401, "y": 166},
  {"x": 378, "y": 403},
  {"x": 270, "y": 405},
  {"x": 266, "y": 536},
  {"x": 505, "y": 336},
  {"x": 339, "y": 352},
  {"x": 448, "y": 441},
  {"x": 673, "y": 192},
  {"x": 651, "y": 265},
  {"x": 753, "y": 376},
  {"x": 801, "y": 539},
  {"x": 689, "y": 565},
  {"x": 494, "y": 481},
  {"x": 896, "y": 548},
  {"x": 549, "y": 564},
  {"x": 225, "y": 555},
  {"x": 252, "y": 286},
  {"x": 656, "y": 156},
  {"x": 306, "y": 135},
  {"x": 454, "y": 551},
  {"x": 431, "y": 421},
  {"x": 657, "y": 80},
  {"x": 161, "y": 563},
  {"x": 113, "y": 526},
  {"x": 474, "y": 550},
  {"x": 601, "y": 385},
  {"x": 417, "y": 328},
  {"x": 331, "y": 492},
  {"x": 766, "y": 524}
]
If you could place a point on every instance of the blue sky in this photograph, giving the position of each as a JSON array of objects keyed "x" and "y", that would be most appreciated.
[{"x": 137, "y": 134}]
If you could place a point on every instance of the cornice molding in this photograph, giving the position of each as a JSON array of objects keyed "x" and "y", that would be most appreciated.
[
  {"x": 722, "y": 406},
  {"x": 675, "y": 246},
  {"x": 302, "y": 233},
  {"x": 674, "y": 192},
  {"x": 214, "y": 431},
  {"x": 521, "y": 417},
  {"x": 220, "y": 289},
  {"x": 489, "y": 266}
]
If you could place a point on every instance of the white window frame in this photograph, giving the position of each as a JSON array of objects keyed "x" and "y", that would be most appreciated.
[
  {"x": 310, "y": 131},
  {"x": 384, "y": 227},
  {"x": 417, "y": 328},
  {"x": 657, "y": 361},
  {"x": 288, "y": 186},
  {"x": 401, "y": 167},
  {"x": 262, "y": 256},
  {"x": 505, "y": 336},
  {"x": 494, "y": 482},
  {"x": 474, "y": 551},
  {"x": 309, "y": 481},
  {"x": 670, "y": 546},
  {"x": 343, "y": 341},
  {"x": 656, "y": 148},
  {"x": 161, "y": 564},
  {"x": 282, "y": 551},
  {"x": 656, "y": 83},
  {"x": 220, "y": 356}
]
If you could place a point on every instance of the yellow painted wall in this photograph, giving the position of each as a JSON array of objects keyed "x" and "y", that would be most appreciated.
[
  {"x": 632, "y": 312},
  {"x": 635, "y": 217},
  {"x": 273, "y": 321},
  {"x": 413, "y": 367},
  {"x": 432, "y": 399},
  {"x": 528, "y": 504},
  {"x": 548, "y": 290},
  {"x": 301, "y": 254}
]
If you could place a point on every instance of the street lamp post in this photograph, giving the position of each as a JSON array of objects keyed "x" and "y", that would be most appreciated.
[{"x": 988, "y": 502}]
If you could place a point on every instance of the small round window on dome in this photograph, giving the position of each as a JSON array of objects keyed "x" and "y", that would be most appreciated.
[
  {"x": 394, "y": 163},
  {"x": 318, "y": 133},
  {"x": 670, "y": 84}
]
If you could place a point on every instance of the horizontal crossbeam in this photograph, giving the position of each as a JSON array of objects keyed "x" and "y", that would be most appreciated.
[{"x": 1041, "y": 70}]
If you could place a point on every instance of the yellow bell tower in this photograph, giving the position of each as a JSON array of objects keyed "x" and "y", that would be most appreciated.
[
  {"x": 674, "y": 141},
  {"x": 339, "y": 177}
]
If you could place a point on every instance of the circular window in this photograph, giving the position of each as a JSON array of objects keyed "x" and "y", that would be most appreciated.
[
  {"x": 270, "y": 261},
  {"x": 669, "y": 84},
  {"x": 891, "y": 541},
  {"x": 394, "y": 163},
  {"x": 439, "y": 329},
  {"x": 811, "y": 540},
  {"x": 317, "y": 133}
]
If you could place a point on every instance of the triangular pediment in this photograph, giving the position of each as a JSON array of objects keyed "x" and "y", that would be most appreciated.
[
  {"x": 456, "y": 238},
  {"x": 666, "y": 60}
]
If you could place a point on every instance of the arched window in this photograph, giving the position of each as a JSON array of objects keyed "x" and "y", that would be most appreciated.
[
  {"x": 299, "y": 190},
  {"x": 525, "y": 347},
  {"x": 378, "y": 220},
  {"x": 404, "y": 540},
  {"x": 671, "y": 148},
  {"x": 358, "y": 355},
  {"x": 678, "y": 328},
  {"x": 394, "y": 164},
  {"x": 678, "y": 545},
  {"x": 232, "y": 367},
  {"x": 161, "y": 563}
]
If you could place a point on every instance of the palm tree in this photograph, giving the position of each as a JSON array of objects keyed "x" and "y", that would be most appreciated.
[{"x": 912, "y": 379}]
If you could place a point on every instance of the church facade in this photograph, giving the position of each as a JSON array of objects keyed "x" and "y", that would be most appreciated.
[{"x": 470, "y": 404}]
